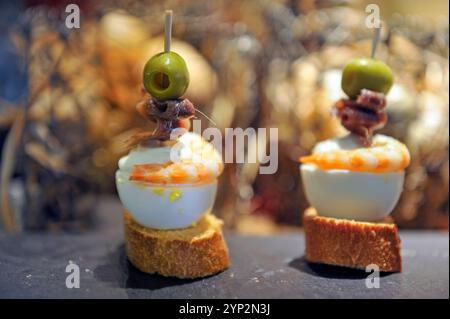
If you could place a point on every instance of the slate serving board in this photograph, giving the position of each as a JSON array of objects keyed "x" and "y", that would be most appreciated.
[{"x": 33, "y": 265}]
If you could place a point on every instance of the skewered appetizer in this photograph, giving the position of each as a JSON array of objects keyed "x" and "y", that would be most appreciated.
[
  {"x": 354, "y": 182},
  {"x": 168, "y": 181}
]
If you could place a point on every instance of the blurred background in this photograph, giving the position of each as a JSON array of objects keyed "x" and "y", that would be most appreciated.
[{"x": 67, "y": 99}]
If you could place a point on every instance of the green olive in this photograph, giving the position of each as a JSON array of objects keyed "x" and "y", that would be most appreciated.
[
  {"x": 166, "y": 76},
  {"x": 367, "y": 74}
]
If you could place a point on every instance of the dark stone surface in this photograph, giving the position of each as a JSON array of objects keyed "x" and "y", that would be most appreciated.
[{"x": 33, "y": 266}]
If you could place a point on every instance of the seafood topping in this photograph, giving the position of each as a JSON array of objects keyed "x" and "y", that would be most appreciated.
[
  {"x": 386, "y": 154},
  {"x": 168, "y": 115},
  {"x": 371, "y": 100},
  {"x": 196, "y": 161},
  {"x": 363, "y": 115},
  {"x": 169, "y": 110}
]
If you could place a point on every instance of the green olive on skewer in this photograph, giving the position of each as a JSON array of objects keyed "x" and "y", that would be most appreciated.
[
  {"x": 366, "y": 73},
  {"x": 166, "y": 76}
]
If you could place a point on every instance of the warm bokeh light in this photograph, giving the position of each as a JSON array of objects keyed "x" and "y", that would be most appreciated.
[{"x": 252, "y": 64}]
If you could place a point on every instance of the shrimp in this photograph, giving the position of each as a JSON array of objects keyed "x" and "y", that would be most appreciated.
[
  {"x": 192, "y": 160},
  {"x": 384, "y": 155},
  {"x": 177, "y": 173}
]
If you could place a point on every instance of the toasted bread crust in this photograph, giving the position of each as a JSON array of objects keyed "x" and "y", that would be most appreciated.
[
  {"x": 193, "y": 252},
  {"x": 351, "y": 243}
]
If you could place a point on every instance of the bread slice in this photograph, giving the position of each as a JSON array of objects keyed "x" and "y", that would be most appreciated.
[
  {"x": 351, "y": 243},
  {"x": 197, "y": 251}
]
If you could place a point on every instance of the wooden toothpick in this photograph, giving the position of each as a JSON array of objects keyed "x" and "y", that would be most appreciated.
[
  {"x": 167, "y": 30},
  {"x": 375, "y": 40}
]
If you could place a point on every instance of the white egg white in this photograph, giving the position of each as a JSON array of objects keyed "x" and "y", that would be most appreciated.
[
  {"x": 346, "y": 194},
  {"x": 163, "y": 206}
]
